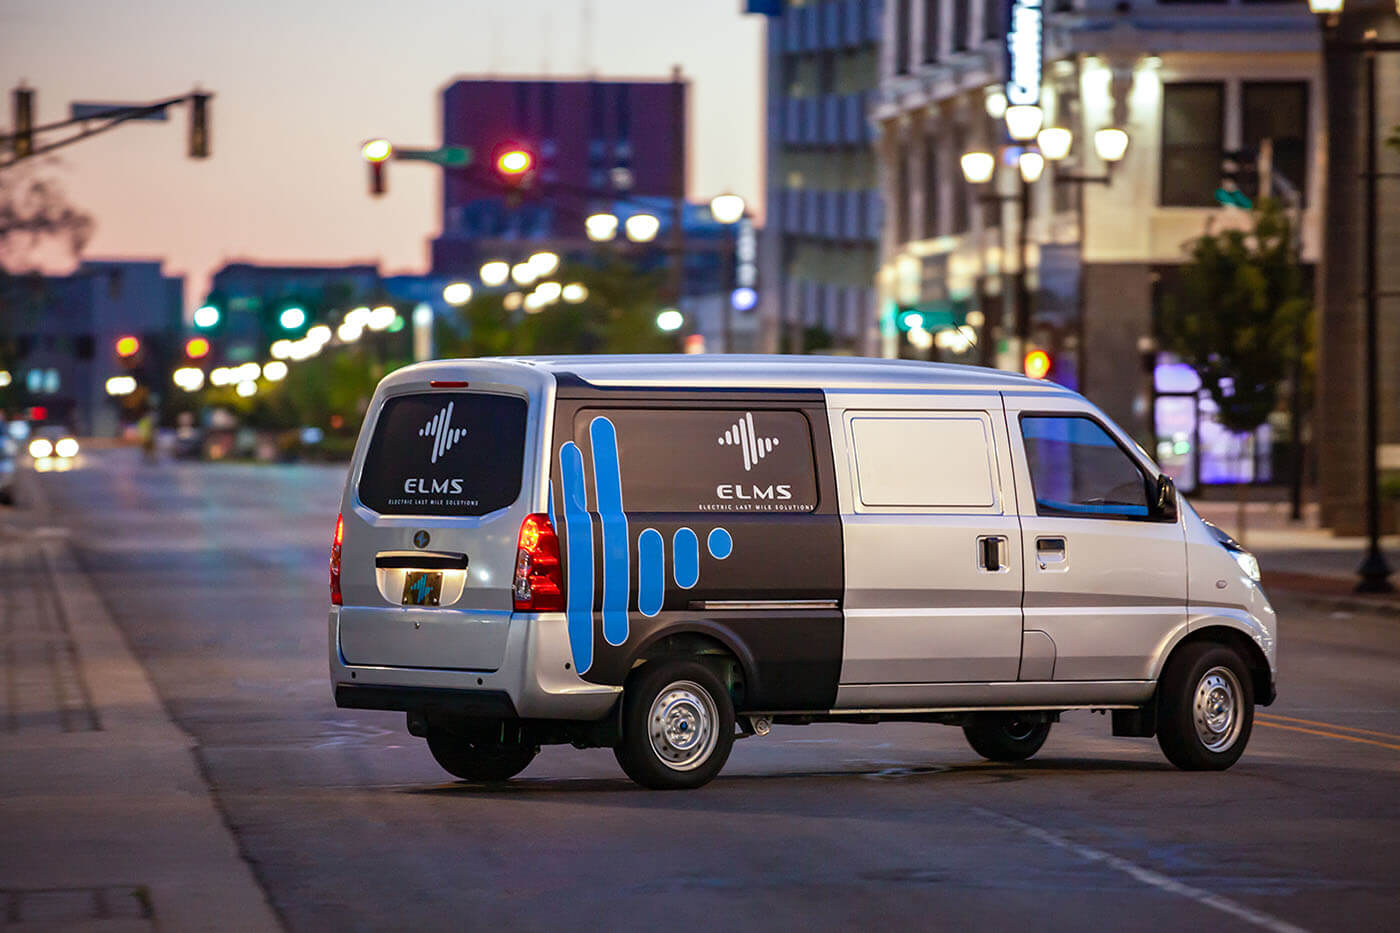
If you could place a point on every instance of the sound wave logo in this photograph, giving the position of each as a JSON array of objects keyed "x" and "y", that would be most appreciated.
[
  {"x": 443, "y": 434},
  {"x": 741, "y": 434}
]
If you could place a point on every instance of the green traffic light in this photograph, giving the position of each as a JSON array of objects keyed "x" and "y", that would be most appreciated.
[
  {"x": 206, "y": 317},
  {"x": 292, "y": 318}
]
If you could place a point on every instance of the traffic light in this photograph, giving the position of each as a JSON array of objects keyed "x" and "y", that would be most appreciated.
[
  {"x": 292, "y": 318},
  {"x": 207, "y": 316},
  {"x": 199, "y": 126},
  {"x": 24, "y": 122},
  {"x": 127, "y": 346},
  {"x": 376, "y": 152},
  {"x": 1236, "y": 165},
  {"x": 196, "y": 348},
  {"x": 515, "y": 169}
]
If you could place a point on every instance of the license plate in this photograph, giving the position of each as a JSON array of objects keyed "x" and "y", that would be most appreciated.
[{"x": 422, "y": 588}]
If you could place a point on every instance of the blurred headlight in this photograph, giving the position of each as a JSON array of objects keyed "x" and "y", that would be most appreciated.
[
  {"x": 66, "y": 447},
  {"x": 39, "y": 448},
  {"x": 1247, "y": 561}
]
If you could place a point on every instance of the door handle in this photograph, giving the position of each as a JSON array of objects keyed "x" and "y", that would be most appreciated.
[
  {"x": 1050, "y": 552},
  {"x": 991, "y": 553}
]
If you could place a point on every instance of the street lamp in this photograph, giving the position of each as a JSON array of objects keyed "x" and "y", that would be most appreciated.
[
  {"x": 495, "y": 273},
  {"x": 522, "y": 273},
  {"x": 670, "y": 320},
  {"x": 544, "y": 263},
  {"x": 642, "y": 228},
  {"x": 1054, "y": 142},
  {"x": 1374, "y": 571},
  {"x": 978, "y": 167},
  {"x": 601, "y": 227},
  {"x": 457, "y": 293},
  {"x": 728, "y": 209},
  {"x": 1111, "y": 144},
  {"x": 1031, "y": 163},
  {"x": 1023, "y": 121}
]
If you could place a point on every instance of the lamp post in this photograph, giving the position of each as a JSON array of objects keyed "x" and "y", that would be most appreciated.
[
  {"x": 728, "y": 210},
  {"x": 1374, "y": 572}
]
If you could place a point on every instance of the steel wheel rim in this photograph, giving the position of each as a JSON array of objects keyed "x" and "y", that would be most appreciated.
[
  {"x": 1018, "y": 730},
  {"x": 1216, "y": 709},
  {"x": 682, "y": 725}
]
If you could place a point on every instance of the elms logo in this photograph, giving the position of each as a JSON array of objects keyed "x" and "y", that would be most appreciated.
[
  {"x": 440, "y": 429},
  {"x": 741, "y": 434}
]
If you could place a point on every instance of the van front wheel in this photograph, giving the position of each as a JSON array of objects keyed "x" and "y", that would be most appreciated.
[
  {"x": 477, "y": 761},
  {"x": 677, "y": 726},
  {"x": 1205, "y": 708},
  {"x": 1005, "y": 736}
]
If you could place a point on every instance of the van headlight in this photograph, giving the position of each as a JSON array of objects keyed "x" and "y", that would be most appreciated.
[
  {"x": 1247, "y": 561},
  {"x": 1249, "y": 564}
]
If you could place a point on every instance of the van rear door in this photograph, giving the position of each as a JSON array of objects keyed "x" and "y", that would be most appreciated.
[{"x": 432, "y": 517}]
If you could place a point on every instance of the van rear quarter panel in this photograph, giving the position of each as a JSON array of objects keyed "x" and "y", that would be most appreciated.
[{"x": 726, "y": 548}]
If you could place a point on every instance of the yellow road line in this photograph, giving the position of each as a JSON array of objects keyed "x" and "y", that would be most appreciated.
[
  {"x": 1328, "y": 725},
  {"x": 1330, "y": 735}
]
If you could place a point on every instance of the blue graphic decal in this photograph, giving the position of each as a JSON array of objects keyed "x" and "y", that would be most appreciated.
[
  {"x": 685, "y": 558},
  {"x": 651, "y": 571},
  {"x": 607, "y": 481},
  {"x": 719, "y": 542},
  {"x": 550, "y": 491},
  {"x": 420, "y": 589},
  {"x": 578, "y": 537}
]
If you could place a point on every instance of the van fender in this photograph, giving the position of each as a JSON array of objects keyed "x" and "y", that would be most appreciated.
[
  {"x": 707, "y": 628},
  {"x": 1232, "y": 627}
]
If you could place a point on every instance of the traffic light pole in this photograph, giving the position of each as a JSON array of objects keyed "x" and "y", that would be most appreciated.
[{"x": 22, "y": 139}]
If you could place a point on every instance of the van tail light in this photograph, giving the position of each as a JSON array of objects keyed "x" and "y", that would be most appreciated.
[
  {"x": 335, "y": 559},
  {"x": 539, "y": 577}
]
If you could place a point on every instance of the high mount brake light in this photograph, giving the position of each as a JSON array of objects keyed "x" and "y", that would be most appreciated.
[
  {"x": 539, "y": 577},
  {"x": 335, "y": 559}
]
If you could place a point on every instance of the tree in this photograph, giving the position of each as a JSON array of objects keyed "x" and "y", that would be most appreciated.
[
  {"x": 34, "y": 211},
  {"x": 1239, "y": 317}
]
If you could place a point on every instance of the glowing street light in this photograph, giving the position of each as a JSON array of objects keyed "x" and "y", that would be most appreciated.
[
  {"x": 1031, "y": 164},
  {"x": 727, "y": 208},
  {"x": 357, "y": 317},
  {"x": 544, "y": 263},
  {"x": 347, "y": 332},
  {"x": 247, "y": 388},
  {"x": 601, "y": 227},
  {"x": 642, "y": 228},
  {"x": 495, "y": 273},
  {"x": 189, "y": 378},
  {"x": 196, "y": 348},
  {"x": 978, "y": 167},
  {"x": 376, "y": 150},
  {"x": 121, "y": 385},
  {"x": 206, "y": 317},
  {"x": 292, "y": 318},
  {"x": 1111, "y": 143},
  {"x": 574, "y": 293},
  {"x": 670, "y": 320},
  {"x": 320, "y": 333},
  {"x": 549, "y": 292},
  {"x": 1023, "y": 121},
  {"x": 281, "y": 349},
  {"x": 382, "y": 317},
  {"x": 457, "y": 294},
  {"x": 274, "y": 371},
  {"x": 513, "y": 162},
  {"x": 523, "y": 273},
  {"x": 1054, "y": 142}
]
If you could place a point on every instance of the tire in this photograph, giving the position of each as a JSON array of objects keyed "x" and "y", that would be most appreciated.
[
  {"x": 1205, "y": 707},
  {"x": 1005, "y": 737},
  {"x": 677, "y": 726},
  {"x": 477, "y": 761}
]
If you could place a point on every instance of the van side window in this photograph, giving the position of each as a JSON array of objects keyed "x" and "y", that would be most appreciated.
[
  {"x": 704, "y": 460},
  {"x": 1078, "y": 469},
  {"x": 918, "y": 460}
]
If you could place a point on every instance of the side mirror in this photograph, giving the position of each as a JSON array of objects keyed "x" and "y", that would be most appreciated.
[{"x": 1163, "y": 507}]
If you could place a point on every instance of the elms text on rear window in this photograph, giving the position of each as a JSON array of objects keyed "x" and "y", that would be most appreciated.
[{"x": 445, "y": 453}]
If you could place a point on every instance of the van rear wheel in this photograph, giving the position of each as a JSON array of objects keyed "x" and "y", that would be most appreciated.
[
  {"x": 677, "y": 726},
  {"x": 478, "y": 761},
  {"x": 1005, "y": 736},
  {"x": 1205, "y": 708}
]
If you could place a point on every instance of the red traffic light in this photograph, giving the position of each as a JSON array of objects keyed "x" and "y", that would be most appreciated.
[
  {"x": 514, "y": 162},
  {"x": 127, "y": 346},
  {"x": 1037, "y": 364},
  {"x": 196, "y": 347}
]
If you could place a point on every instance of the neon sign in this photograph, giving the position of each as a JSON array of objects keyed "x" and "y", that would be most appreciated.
[{"x": 1023, "y": 51}]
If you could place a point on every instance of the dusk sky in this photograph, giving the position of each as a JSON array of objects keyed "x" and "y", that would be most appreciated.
[{"x": 299, "y": 85}]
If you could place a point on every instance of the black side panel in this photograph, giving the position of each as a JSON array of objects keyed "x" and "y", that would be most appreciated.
[{"x": 694, "y": 496}]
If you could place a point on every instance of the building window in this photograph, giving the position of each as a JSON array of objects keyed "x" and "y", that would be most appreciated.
[
  {"x": 993, "y": 19},
  {"x": 933, "y": 13},
  {"x": 1192, "y": 143},
  {"x": 902, "y": 11},
  {"x": 1277, "y": 110},
  {"x": 932, "y": 178}
]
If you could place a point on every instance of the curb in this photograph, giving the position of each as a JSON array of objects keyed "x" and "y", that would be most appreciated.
[{"x": 1380, "y": 607}]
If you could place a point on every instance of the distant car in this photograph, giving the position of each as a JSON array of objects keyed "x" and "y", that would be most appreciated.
[{"x": 53, "y": 441}]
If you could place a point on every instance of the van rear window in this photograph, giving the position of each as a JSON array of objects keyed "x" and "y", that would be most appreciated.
[{"x": 445, "y": 453}]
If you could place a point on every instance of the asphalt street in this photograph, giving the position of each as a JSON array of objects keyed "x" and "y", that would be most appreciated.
[{"x": 216, "y": 575}]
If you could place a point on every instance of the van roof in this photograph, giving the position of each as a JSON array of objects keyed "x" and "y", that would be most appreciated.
[{"x": 744, "y": 370}]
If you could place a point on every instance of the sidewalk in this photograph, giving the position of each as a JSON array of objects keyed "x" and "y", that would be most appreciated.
[
  {"x": 108, "y": 822},
  {"x": 1304, "y": 559}
]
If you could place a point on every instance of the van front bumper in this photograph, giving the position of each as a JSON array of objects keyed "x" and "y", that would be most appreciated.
[{"x": 535, "y": 679}]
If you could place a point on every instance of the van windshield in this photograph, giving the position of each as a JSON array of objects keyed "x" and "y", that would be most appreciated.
[{"x": 445, "y": 453}]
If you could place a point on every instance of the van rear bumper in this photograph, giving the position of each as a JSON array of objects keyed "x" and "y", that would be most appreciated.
[
  {"x": 535, "y": 679},
  {"x": 483, "y": 704}
]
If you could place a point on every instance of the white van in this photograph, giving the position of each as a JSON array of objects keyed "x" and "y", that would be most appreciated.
[{"x": 661, "y": 554}]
